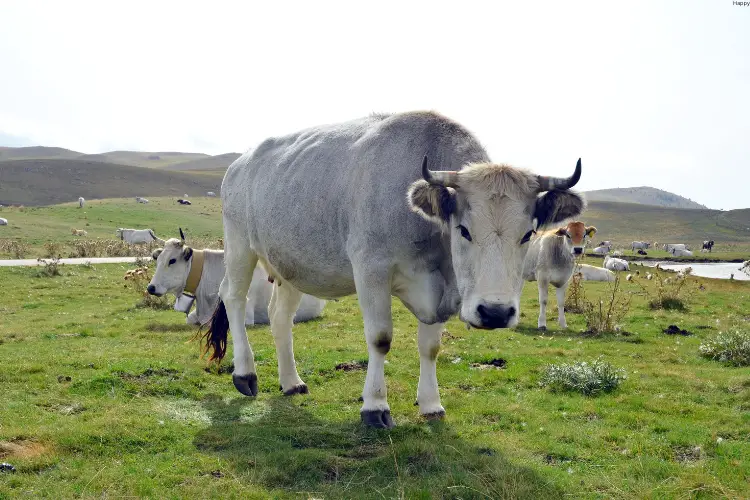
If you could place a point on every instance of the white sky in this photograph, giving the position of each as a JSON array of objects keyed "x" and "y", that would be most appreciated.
[{"x": 645, "y": 92}]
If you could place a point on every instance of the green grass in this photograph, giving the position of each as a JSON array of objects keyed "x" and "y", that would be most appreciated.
[{"x": 141, "y": 417}]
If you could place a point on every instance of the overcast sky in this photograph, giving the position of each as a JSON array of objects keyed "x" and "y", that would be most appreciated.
[{"x": 646, "y": 92}]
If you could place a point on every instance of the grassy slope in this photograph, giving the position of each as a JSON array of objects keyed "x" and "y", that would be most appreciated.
[
  {"x": 140, "y": 417},
  {"x": 46, "y": 182},
  {"x": 145, "y": 158},
  {"x": 212, "y": 163},
  {"x": 36, "y": 152},
  {"x": 645, "y": 195}
]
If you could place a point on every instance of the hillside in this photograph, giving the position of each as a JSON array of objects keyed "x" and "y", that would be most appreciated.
[
  {"x": 626, "y": 222},
  {"x": 36, "y": 152},
  {"x": 643, "y": 195},
  {"x": 151, "y": 159},
  {"x": 218, "y": 162},
  {"x": 48, "y": 182}
]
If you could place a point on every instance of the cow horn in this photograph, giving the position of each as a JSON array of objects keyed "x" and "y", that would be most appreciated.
[
  {"x": 182, "y": 235},
  {"x": 447, "y": 178},
  {"x": 550, "y": 183}
]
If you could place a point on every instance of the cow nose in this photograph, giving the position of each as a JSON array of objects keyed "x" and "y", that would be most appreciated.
[
  {"x": 151, "y": 290},
  {"x": 578, "y": 250},
  {"x": 495, "y": 315}
]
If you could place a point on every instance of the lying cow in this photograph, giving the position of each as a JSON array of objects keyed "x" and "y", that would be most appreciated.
[
  {"x": 211, "y": 194},
  {"x": 668, "y": 247},
  {"x": 81, "y": 202},
  {"x": 614, "y": 264},
  {"x": 3, "y": 222},
  {"x": 180, "y": 269},
  {"x": 137, "y": 236},
  {"x": 183, "y": 202},
  {"x": 708, "y": 246},
  {"x": 551, "y": 260},
  {"x": 643, "y": 245},
  {"x": 78, "y": 232},
  {"x": 601, "y": 250},
  {"x": 681, "y": 252},
  {"x": 607, "y": 244},
  {"x": 593, "y": 273}
]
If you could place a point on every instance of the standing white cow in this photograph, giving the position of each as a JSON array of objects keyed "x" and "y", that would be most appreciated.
[
  {"x": 643, "y": 245},
  {"x": 614, "y": 264},
  {"x": 180, "y": 269},
  {"x": 362, "y": 220},
  {"x": 137, "y": 236},
  {"x": 81, "y": 202},
  {"x": 551, "y": 260},
  {"x": 211, "y": 194}
]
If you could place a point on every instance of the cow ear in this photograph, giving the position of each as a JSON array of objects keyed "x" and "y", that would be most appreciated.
[
  {"x": 156, "y": 253},
  {"x": 187, "y": 253},
  {"x": 590, "y": 231},
  {"x": 556, "y": 205},
  {"x": 562, "y": 232},
  {"x": 433, "y": 202}
]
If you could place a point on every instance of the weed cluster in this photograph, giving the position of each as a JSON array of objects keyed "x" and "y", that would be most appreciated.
[
  {"x": 18, "y": 249},
  {"x": 587, "y": 378},
  {"x": 732, "y": 348},
  {"x": 137, "y": 281},
  {"x": 110, "y": 248},
  {"x": 51, "y": 268},
  {"x": 604, "y": 314},
  {"x": 52, "y": 249},
  {"x": 668, "y": 292}
]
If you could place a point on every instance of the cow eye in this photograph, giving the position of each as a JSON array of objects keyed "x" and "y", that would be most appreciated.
[
  {"x": 527, "y": 236},
  {"x": 172, "y": 261},
  {"x": 464, "y": 232}
]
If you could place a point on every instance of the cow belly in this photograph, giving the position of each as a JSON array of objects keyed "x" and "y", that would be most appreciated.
[{"x": 319, "y": 277}]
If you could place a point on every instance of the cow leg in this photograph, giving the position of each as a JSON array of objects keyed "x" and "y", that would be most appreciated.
[
  {"x": 281, "y": 308},
  {"x": 561, "y": 305},
  {"x": 428, "y": 395},
  {"x": 543, "y": 292},
  {"x": 240, "y": 264},
  {"x": 374, "y": 297}
]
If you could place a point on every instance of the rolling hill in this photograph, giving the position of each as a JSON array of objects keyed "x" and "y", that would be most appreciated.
[
  {"x": 644, "y": 195},
  {"x": 36, "y": 152},
  {"x": 218, "y": 162},
  {"x": 156, "y": 159},
  {"x": 48, "y": 182}
]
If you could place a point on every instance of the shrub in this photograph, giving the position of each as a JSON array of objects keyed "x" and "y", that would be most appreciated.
[
  {"x": 574, "y": 301},
  {"x": 52, "y": 249},
  {"x": 604, "y": 315},
  {"x": 137, "y": 281},
  {"x": 586, "y": 378},
  {"x": 668, "y": 292},
  {"x": 50, "y": 269},
  {"x": 732, "y": 348},
  {"x": 17, "y": 249}
]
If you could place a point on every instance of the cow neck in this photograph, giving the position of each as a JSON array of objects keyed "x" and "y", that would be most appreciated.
[{"x": 196, "y": 270}]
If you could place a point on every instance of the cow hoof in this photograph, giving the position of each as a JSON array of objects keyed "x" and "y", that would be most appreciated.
[
  {"x": 416, "y": 402},
  {"x": 542, "y": 328},
  {"x": 246, "y": 384},
  {"x": 380, "y": 419},
  {"x": 437, "y": 415},
  {"x": 297, "y": 389}
]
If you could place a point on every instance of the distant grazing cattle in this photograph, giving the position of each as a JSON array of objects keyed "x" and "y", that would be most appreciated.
[
  {"x": 601, "y": 250},
  {"x": 668, "y": 247},
  {"x": 183, "y": 202},
  {"x": 180, "y": 269},
  {"x": 708, "y": 246},
  {"x": 141, "y": 200},
  {"x": 211, "y": 193},
  {"x": 137, "y": 236},
  {"x": 593, "y": 273},
  {"x": 614, "y": 264},
  {"x": 78, "y": 232},
  {"x": 639, "y": 244},
  {"x": 551, "y": 260},
  {"x": 81, "y": 202},
  {"x": 3, "y": 222},
  {"x": 607, "y": 244},
  {"x": 681, "y": 252},
  {"x": 345, "y": 208}
]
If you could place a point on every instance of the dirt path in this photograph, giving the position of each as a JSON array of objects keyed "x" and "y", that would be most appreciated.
[{"x": 77, "y": 261}]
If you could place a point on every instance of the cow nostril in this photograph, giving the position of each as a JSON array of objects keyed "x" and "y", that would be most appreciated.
[
  {"x": 511, "y": 312},
  {"x": 578, "y": 251},
  {"x": 151, "y": 289}
]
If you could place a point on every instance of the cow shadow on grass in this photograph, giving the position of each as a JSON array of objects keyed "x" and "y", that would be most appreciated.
[{"x": 277, "y": 443}]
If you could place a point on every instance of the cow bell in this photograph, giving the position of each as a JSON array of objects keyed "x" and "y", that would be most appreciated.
[{"x": 183, "y": 303}]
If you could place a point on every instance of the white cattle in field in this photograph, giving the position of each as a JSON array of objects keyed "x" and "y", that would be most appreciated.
[
  {"x": 180, "y": 269},
  {"x": 81, "y": 202},
  {"x": 593, "y": 273},
  {"x": 601, "y": 250},
  {"x": 607, "y": 244},
  {"x": 681, "y": 252},
  {"x": 668, "y": 247},
  {"x": 211, "y": 193},
  {"x": 3, "y": 222},
  {"x": 137, "y": 236},
  {"x": 141, "y": 200},
  {"x": 78, "y": 232},
  {"x": 643, "y": 245},
  {"x": 551, "y": 260},
  {"x": 345, "y": 208},
  {"x": 614, "y": 264}
]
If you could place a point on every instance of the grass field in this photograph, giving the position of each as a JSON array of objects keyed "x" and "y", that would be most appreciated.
[{"x": 103, "y": 399}]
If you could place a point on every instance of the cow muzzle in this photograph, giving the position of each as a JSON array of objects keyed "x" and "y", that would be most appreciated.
[
  {"x": 494, "y": 316},
  {"x": 578, "y": 250},
  {"x": 152, "y": 291}
]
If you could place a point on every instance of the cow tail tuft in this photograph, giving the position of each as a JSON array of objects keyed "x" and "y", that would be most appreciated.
[{"x": 214, "y": 341}]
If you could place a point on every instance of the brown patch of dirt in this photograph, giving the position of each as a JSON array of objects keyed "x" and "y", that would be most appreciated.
[
  {"x": 493, "y": 363},
  {"x": 21, "y": 448},
  {"x": 675, "y": 330},
  {"x": 351, "y": 366},
  {"x": 686, "y": 454}
]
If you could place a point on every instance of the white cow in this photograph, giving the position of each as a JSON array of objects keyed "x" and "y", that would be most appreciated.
[
  {"x": 614, "y": 264},
  {"x": 3, "y": 222},
  {"x": 607, "y": 244},
  {"x": 137, "y": 236},
  {"x": 643, "y": 245},
  {"x": 593, "y": 273},
  {"x": 601, "y": 250},
  {"x": 81, "y": 202},
  {"x": 180, "y": 269},
  {"x": 345, "y": 208},
  {"x": 681, "y": 252},
  {"x": 668, "y": 247},
  {"x": 551, "y": 260},
  {"x": 141, "y": 200},
  {"x": 211, "y": 193}
]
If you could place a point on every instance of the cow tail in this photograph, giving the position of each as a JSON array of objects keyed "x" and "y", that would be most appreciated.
[{"x": 214, "y": 341}]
